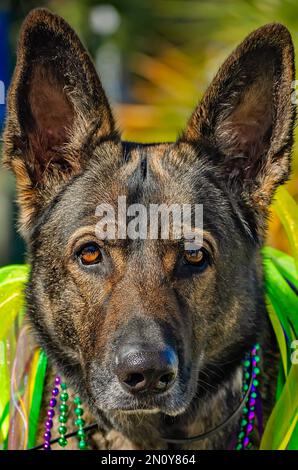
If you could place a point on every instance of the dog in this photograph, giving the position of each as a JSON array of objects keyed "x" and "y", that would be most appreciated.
[{"x": 151, "y": 335}]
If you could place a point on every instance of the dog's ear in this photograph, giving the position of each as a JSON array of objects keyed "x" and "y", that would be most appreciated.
[
  {"x": 245, "y": 120},
  {"x": 55, "y": 105}
]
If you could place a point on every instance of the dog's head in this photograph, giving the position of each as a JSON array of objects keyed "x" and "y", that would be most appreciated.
[{"x": 132, "y": 321}]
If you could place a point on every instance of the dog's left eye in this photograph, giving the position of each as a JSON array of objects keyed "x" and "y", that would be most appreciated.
[
  {"x": 199, "y": 258},
  {"x": 90, "y": 254}
]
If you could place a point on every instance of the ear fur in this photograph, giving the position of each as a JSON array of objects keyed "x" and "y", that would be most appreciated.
[
  {"x": 56, "y": 106},
  {"x": 246, "y": 118}
]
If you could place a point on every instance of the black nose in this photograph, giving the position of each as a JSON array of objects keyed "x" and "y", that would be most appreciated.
[{"x": 140, "y": 369}]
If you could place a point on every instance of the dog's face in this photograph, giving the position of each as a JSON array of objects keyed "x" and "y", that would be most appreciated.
[{"x": 136, "y": 323}]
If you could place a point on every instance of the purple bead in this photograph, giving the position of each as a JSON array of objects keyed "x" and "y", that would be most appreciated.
[
  {"x": 249, "y": 428},
  {"x": 245, "y": 441},
  {"x": 57, "y": 380},
  {"x": 46, "y": 446},
  {"x": 251, "y": 415},
  {"x": 53, "y": 402},
  {"x": 55, "y": 391},
  {"x": 48, "y": 424},
  {"x": 47, "y": 436},
  {"x": 254, "y": 351},
  {"x": 254, "y": 363},
  {"x": 252, "y": 402},
  {"x": 51, "y": 413}
]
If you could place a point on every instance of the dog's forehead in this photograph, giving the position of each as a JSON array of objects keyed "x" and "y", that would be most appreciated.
[
  {"x": 144, "y": 174},
  {"x": 163, "y": 172}
]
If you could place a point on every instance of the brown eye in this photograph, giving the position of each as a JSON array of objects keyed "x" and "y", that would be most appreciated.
[
  {"x": 198, "y": 258},
  {"x": 90, "y": 254}
]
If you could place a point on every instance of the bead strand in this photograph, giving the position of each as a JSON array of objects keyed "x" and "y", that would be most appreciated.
[
  {"x": 50, "y": 414},
  {"x": 80, "y": 423},
  {"x": 63, "y": 417},
  {"x": 248, "y": 417}
]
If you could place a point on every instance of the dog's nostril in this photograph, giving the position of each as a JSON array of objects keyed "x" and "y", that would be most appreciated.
[
  {"x": 167, "y": 378},
  {"x": 132, "y": 380},
  {"x": 164, "y": 381}
]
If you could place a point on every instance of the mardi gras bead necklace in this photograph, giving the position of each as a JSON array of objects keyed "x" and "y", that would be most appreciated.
[
  {"x": 251, "y": 370},
  {"x": 248, "y": 406},
  {"x": 63, "y": 417}
]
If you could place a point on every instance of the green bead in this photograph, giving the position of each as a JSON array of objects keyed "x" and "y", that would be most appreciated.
[
  {"x": 247, "y": 363},
  {"x": 245, "y": 387},
  {"x": 257, "y": 347},
  {"x": 81, "y": 433},
  {"x": 243, "y": 422},
  {"x": 256, "y": 370},
  {"x": 241, "y": 435},
  {"x": 63, "y": 386},
  {"x": 245, "y": 410},
  {"x": 62, "y": 441},
  {"x": 255, "y": 382},
  {"x": 254, "y": 395},
  {"x": 77, "y": 401},
  {"x": 82, "y": 444},
  {"x": 239, "y": 447},
  {"x": 63, "y": 408},
  {"x": 79, "y": 411},
  {"x": 257, "y": 358},
  {"x": 247, "y": 375},
  {"x": 80, "y": 422},
  {"x": 63, "y": 418},
  {"x": 62, "y": 429},
  {"x": 64, "y": 396}
]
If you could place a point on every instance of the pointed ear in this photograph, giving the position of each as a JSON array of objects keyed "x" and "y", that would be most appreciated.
[
  {"x": 56, "y": 107},
  {"x": 245, "y": 120}
]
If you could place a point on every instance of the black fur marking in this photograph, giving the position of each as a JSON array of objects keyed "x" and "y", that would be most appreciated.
[{"x": 144, "y": 168}]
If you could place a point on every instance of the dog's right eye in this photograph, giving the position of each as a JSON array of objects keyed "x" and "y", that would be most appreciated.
[
  {"x": 90, "y": 254},
  {"x": 200, "y": 259}
]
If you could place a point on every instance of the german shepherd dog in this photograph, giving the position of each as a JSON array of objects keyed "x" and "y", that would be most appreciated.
[{"x": 153, "y": 337}]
